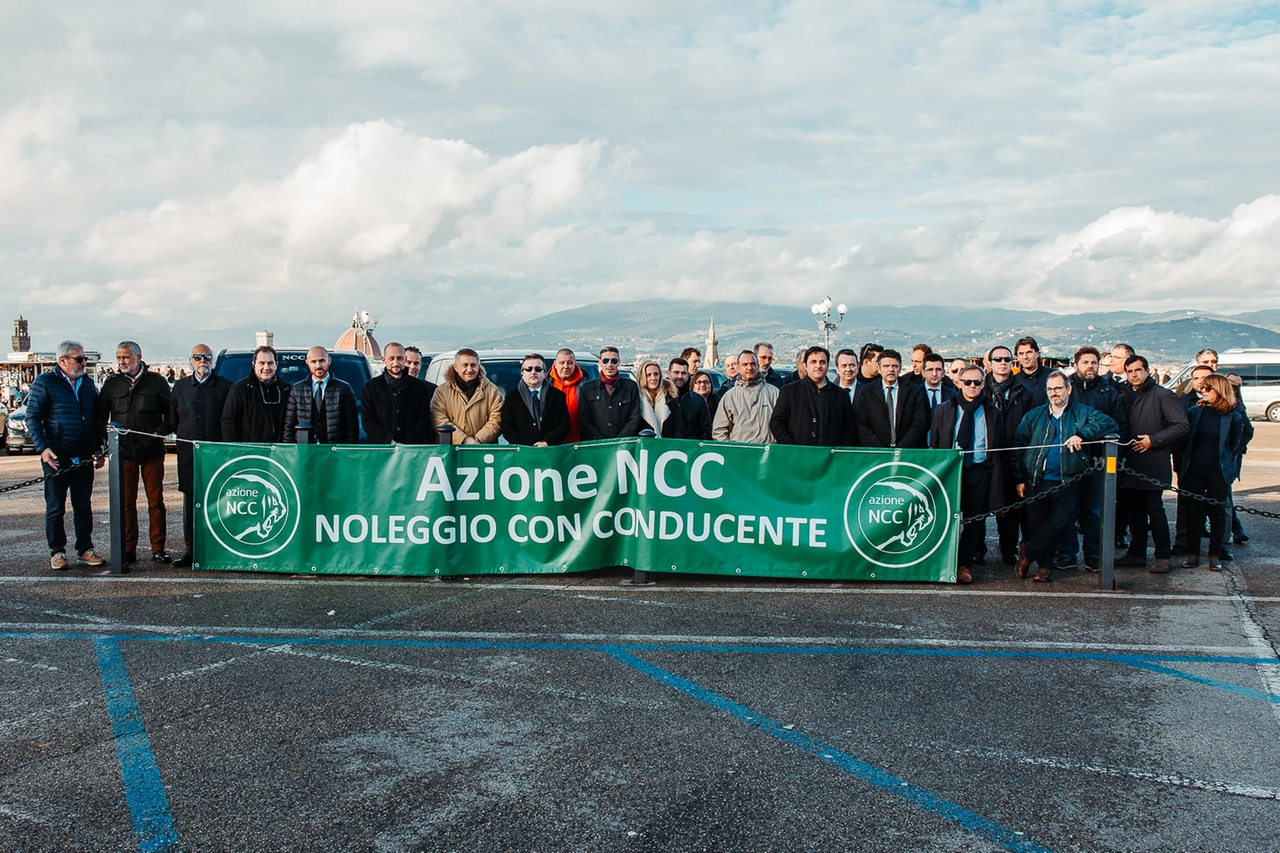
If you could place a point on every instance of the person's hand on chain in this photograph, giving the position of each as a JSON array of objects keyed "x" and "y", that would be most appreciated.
[{"x": 49, "y": 458}]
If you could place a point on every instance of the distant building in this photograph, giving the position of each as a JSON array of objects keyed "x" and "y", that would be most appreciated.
[
  {"x": 360, "y": 336},
  {"x": 264, "y": 338},
  {"x": 22, "y": 366},
  {"x": 21, "y": 336},
  {"x": 712, "y": 358}
]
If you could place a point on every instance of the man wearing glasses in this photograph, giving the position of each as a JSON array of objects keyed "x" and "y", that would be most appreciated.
[
  {"x": 1014, "y": 400},
  {"x": 195, "y": 414},
  {"x": 1052, "y": 439},
  {"x": 609, "y": 406},
  {"x": 62, "y": 423},
  {"x": 255, "y": 405},
  {"x": 535, "y": 412},
  {"x": 970, "y": 424}
]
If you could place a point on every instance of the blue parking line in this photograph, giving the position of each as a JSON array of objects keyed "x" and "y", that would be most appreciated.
[
  {"x": 972, "y": 821},
  {"x": 143, "y": 789},
  {"x": 1208, "y": 682}
]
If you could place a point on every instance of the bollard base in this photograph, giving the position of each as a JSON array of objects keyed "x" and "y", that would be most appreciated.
[{"x": 640, "y": 579}]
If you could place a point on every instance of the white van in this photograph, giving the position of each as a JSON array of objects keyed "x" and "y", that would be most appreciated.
[{"x": 1260, "y": 371}]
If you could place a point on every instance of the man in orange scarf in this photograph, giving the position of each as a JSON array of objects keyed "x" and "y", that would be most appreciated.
[{"x": 567, "y": 376}]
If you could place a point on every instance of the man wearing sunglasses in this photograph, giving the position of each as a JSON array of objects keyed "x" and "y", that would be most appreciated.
[
  {"x": 395, "y": 405},
  {"x": 535, "y": 412},
  {"x": 609, "y": 406},
  {"x": 62, "y": 423},
  {"x": 195, "y": 414},
  {"x": 1014, "y": 400},
  {"x": 970, "y": 424}
]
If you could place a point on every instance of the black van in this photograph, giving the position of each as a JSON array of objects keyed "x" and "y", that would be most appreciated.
[{"x": 351, "y": 367}]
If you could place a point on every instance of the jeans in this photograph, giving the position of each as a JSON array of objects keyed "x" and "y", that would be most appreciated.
[
  {"x": 1048, "y": 519},
  {"x": 1089, "y": 516},
  {"x": 80, "y": 484}
]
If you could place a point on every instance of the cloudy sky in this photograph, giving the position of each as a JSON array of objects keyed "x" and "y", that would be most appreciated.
[{"x": 218, "y": 165}]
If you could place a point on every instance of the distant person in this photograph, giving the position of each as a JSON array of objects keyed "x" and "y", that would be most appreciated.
[
  {"x": 1032, "y": 375},
  {"x": 468, "y": 401},
  {"x": 812, "y": 411},
  {"x": 1206, "y": 463},
  {"x": 745, "y": 410},
  {"x": 953, "y": 372},
  {"x": 65, "y": 430},
  {"x": 659, "y": 403},
  {"x": 255, "y": 406},
  {"x": 918, "y": 354},
  {"x": 413, "y": 363},
  {"x": 195, "y": 415},
  {"x": 325, "y": 401},
  {"x": 396, "y": 407},
  {"x": 534, "y": 412},
  {"x": 609, "y": 405},
  {"x": 889, "y": 413},
  {"x": 692, "y": 357},
  {"x": 869, "y": 364},
  {"x": 568, "y": 377},
  {"x": 139, "y": 399},
  {"x": 764, "y": 358},
  {"x": 799, "y": 372},
  {"x": 730, "y": 368},
  {"x": 1120, "y": 353}
]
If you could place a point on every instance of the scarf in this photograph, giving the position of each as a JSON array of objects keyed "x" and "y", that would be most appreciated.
[
  {"x": 609, "y": 384},
  {"x": 1000, "y": 390},
  {"x": 468, "y": 389},
  {"x": 968, "y": 411},
  {"x": 655, "y": 413},
  {"x": 396, "y": 385}
]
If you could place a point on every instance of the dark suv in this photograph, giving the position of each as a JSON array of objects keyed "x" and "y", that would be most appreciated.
[{"x": 352, "y": 368}]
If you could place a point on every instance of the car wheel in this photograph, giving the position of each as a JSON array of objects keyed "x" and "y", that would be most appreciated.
[{"x": 1273, "y": 413}]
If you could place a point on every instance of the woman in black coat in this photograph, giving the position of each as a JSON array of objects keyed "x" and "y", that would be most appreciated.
[
  {"x": 1207, "y": 465},
  {"x": 703, "y": 386}
]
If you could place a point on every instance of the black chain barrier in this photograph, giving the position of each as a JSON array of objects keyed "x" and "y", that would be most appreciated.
[
  {"x": 1202, "y": 498},
  {"x": 38, "y": 480},
  {"x": 1096, "y": 466}
]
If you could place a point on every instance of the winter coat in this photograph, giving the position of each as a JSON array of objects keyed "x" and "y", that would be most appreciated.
[
  {"x": 1035, "y": 383},
  {"x": 942, "y": 435},
  {"x": 1102, "y": 395},
  {"x": 195, "y": 414},
  {"x": 744, "y": 413},
  {"x": 403, "y": 418},
  {"x": 1037, "y": 429},
  {"x": 697, "y": 414},
  {"x": 1230, "y": 435},
  {"x": 341, "y": 417},
  {"x": 1153, "y": 411},
  {"x": 141, "y": 405},
  {"x": 1013, "y": 402},
  {"x": 479, "y": 417},
  {"x": 795, "y": 418},
  {"x": 518, "y": 424},
  {"x": 605, "y": 415},
  {"x": 255, "y": 412},
  {"x": 63, "y": 420},
  {"x": 570, "y": 388},
  {"x": 871, "y": 415}
]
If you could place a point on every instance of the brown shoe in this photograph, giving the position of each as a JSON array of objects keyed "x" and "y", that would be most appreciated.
[
  {"x": 963, "y": 575},
  {"x": 91, "y": 559},
  {"x": 1042, "y": 575},
  {"x": 58, "y": 561},
  {"x": 1020, "y": 567},
  {"x": 1215, "y": 563},
  {"x": 1160, "y": 567}
]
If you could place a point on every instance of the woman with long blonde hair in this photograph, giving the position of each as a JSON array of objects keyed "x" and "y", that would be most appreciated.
[{"x": 659, "y": 401}]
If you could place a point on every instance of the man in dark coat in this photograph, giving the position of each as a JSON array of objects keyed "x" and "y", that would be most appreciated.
[
  {"x": 693, "y": 407},
  {"x": 535, "y": 412},
  {"x": 325, "y": 401},
  {"x": 255, "y": 405},
  {"x": 139, "y": 399},
  {"x": 1157, "y": 421},
  {"x": 1090, "y": 389},
  {"x": 64, "y": 427},
  {"x": 812, "y": 411},
  {"x": 195, "y": 414},
  {"x": 1014, "y": 400},
  {"x": 397, "y": 407},
  {"x": 906, "y": 424},
  {"x": 971, "y": 424},
  {"x": 609, "y": 406},
  {"x": 933, "y": 383},
  {"x": 1031, "y": 374},
  {"x": 764, "y": 355}
]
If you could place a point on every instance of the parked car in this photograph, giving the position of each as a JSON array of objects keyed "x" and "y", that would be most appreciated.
[
  {"x": 16, "y": 439},
  {"x": 351, "y": 367},
  {"x": 502, "y": 366},
  {"x": 1259, "y": 371}
]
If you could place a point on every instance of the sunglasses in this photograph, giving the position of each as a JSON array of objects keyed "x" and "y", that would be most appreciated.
[
  {"x": 78, "y": 359},
  {"x": 534, "y": 369},
  {"x": 1002, "y": 358},
  {"x": 608, "y": 361},
  {"x": 972, "y": 383},
  {"x": 200, "y": 356}
]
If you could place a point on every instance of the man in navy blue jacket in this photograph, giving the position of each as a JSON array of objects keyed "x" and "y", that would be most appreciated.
[{"x": 62, "y": 424}]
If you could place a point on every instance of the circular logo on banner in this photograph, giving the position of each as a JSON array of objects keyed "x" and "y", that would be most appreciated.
[
  {"x": 897, "y": 514},
  {"x": 251, "y": 507}
]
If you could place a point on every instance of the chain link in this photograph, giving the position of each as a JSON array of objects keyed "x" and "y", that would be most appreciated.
[
  {"x": 1202, "y": 498},
  {"x": 1097, "y": 465},
  {"x": 38, "y": 480}
]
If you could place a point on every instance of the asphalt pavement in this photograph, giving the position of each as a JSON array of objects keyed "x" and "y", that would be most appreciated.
[{"x": 204, "y": 711}]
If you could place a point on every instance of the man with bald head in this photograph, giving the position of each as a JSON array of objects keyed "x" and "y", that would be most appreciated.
[
  {"x": 325, "y": 401},
  {"x": 195, "y": 414},
  {"x": 396, "y": 406}
]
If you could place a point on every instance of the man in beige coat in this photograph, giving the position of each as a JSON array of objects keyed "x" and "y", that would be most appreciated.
[
  {"x": 468, "y": 401},
  {"x": 744, "y": 411}
]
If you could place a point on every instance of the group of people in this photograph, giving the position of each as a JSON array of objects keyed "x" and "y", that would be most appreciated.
[{"x": 1026, "y": 433}]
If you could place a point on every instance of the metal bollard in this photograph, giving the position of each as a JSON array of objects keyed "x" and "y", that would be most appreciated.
[
  {"x": 115, "y": 499},
  {"x": 640, "y": 577},
  {"x": 444, "y": 433},
  {"x": 304, "y": 433},
  {"x": 1107, "y": 547}
]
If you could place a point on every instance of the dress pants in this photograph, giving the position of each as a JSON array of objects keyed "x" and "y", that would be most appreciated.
[
  {"x": 1197, "y": 511},
  {"x": 80, "y": 484},
  {"x": 975, "y": 499},
  {"x": 1089, "y": 519},
  {"x": 152, "y": 474},
  {"x": 1048, "y": 518},
  {"x": 1145, "y": 509}
]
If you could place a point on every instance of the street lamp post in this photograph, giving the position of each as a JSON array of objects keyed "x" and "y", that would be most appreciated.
[{"x": 822, "y": 311}]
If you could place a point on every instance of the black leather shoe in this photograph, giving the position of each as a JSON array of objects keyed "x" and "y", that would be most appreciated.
[
  {"x": 1062, "y": 561},
  {"x": 1240, "y": 539},
  {"x": 129, "y": 557},
  {"x": 183, "y": 561},
  {"x": 1226, "y": 555},
  {"x": 160, "y": 557}
]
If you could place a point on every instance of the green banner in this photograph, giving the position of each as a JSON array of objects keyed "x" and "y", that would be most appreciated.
[{"x": 659, "y": 505}]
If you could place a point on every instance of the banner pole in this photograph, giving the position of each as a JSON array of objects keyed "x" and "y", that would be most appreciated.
[
  {"x": 444, "y": 434},
  {"x": 1107, "y": 547},
  {"x": 115, "y": 499}
]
